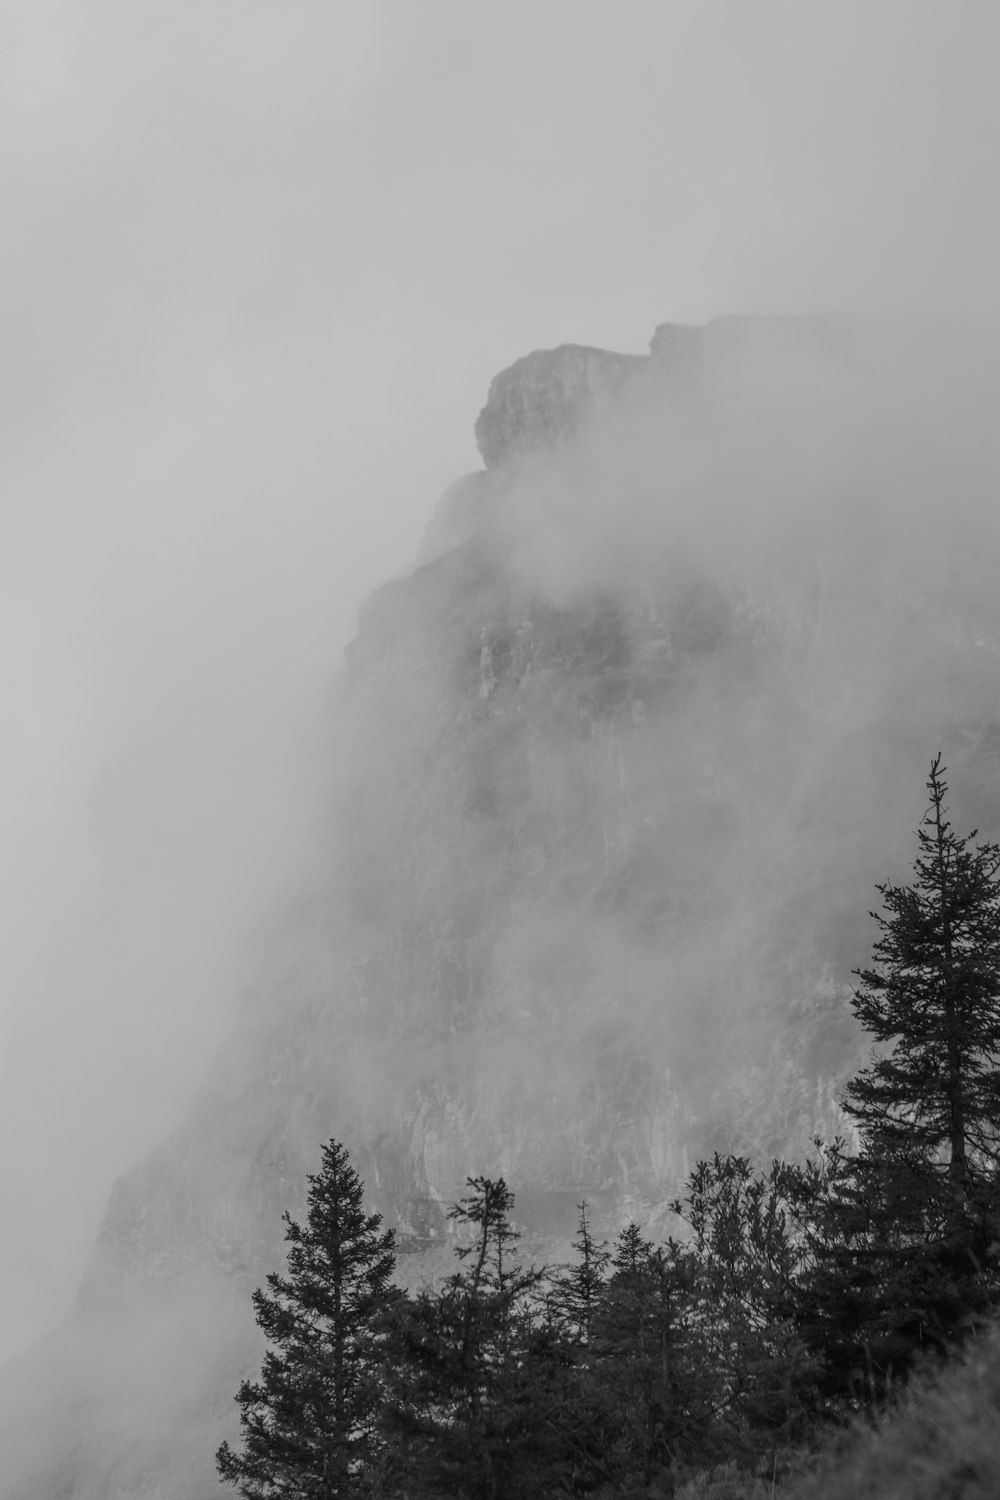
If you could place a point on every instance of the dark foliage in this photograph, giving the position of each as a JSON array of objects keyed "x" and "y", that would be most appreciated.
[
  {"x": 931, "y": 1001},
  {"x": 904, "y": 1232},
  {"x": 469, "y": 1367},
  {"x": 310, "y": 1423}
]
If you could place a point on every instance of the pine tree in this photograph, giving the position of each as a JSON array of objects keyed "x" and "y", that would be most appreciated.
[
  {"x": 646, "y": 1356},
  {"x": 462, "y": 1413},
  {"x": 577, "y": 1290},
  {"x": 932, "y": 999},
  {"x": 309, "y": 1424},
  {"x": 905, "y": 1231},
  {"x": 581, "y": 1421}
]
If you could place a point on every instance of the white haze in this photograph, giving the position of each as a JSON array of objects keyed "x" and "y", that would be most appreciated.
[{"x": 259, "y": 264}]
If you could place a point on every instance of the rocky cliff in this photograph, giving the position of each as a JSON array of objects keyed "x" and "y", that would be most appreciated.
[{"x": 616, "y": 766}]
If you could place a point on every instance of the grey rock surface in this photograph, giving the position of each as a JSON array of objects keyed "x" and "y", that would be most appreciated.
[{"x": 547, "y": 397}]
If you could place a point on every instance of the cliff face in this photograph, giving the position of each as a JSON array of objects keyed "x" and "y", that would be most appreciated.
[
  {"x": 617, "y": 765},
  {"x": 549, "y": 397}
]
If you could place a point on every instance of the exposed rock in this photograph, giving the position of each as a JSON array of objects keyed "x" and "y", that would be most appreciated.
[{"x": 547, "y": 397}]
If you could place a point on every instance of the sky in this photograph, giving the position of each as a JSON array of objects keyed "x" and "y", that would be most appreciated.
[{"x": 259, "y": 263}]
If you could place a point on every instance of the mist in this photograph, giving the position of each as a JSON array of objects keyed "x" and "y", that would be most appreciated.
[
  {"x": 260, "y": 266},
  {"x": 699, "y": 652}
]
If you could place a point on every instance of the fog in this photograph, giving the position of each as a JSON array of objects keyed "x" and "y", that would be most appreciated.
[
  {"x": 695, "y": 701},
  {"x": 260, "y": 264}
]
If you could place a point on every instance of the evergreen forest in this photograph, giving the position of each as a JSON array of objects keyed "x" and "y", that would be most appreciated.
[{"x": 792, "y": 1300}]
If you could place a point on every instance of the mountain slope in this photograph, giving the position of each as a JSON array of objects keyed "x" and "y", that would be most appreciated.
[{"x": 615, "y": 769}]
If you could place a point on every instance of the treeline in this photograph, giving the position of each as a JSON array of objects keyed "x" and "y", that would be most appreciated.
[{"x": 788, "y": 1299}]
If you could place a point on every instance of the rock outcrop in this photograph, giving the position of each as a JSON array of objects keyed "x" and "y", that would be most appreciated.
[{"x": 548, "y": 397}]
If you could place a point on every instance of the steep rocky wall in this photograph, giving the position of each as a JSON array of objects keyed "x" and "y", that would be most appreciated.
[
  {"x": 600, "y": 848},
  {"x": 599, "y": 841}
]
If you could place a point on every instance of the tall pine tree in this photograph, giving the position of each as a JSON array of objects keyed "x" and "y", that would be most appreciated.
[
  {"x": 576, "y": 1292},
  {"x": 464, "y": 1415},
  {"x": 309, "y": 1424},
  {"x": 905, "y": 1231},
  {"x": 932, "y": 1002}
]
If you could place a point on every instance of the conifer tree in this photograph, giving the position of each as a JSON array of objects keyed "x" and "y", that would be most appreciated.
[
  {"x": 932, "y": 1002},
  {"x": 461, "y": 1414},
  {"x": 309, "y": 1424},
  {"x": 905, "y": 1232},
  {"x": 646, "y": 1357},
  {"x": 577, "y": 1290},
  {"x": 582, "y": 1423}
]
